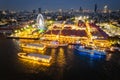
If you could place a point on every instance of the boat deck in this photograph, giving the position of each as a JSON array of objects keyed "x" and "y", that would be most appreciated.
[{"x": 39, "y": 56}]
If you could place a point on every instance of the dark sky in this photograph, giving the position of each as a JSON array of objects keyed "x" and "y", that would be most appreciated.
[{"x": 57, "y": 4}]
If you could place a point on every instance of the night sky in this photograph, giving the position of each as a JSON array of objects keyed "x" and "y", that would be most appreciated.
[{"x": 57, "y": 4}]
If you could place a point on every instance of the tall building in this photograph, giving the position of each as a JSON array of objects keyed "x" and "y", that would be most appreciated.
[
  {"x": 39, "y": 10},
  {"x": 105, "y": 10},
  {"x": 60, "y": 11},
  {"x": 72, "y": 11},
  {"x": 34, "y": 11},
  {"x": 95, "y": 8},
  {"x": 80, "y": 9}
]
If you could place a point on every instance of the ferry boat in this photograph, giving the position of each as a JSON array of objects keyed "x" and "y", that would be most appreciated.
[
  {"x": 40, "y": 47},
  {"x": 90, "y": 50},
  {"x": 63, "y": 44},
  {"x": 36, "y": 57},
  {"x": 51, "y": 44},
  {"x": 55, "y": 44}
]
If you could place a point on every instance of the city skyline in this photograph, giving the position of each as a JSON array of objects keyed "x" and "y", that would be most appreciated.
[{"x": 57, "y": 4}]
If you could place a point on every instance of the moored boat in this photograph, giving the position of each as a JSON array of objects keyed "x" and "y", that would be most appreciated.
[
  {"x": 90, "y": 50},
  {"x": 40, "y": 47},
  {"x": 36, "y": 57}
]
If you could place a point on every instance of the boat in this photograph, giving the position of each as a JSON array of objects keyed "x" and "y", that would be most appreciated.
[
  {"x": 99, "y": 52},
  {"x": 55, "y": 44},
  {"x": 36, "y": 57},
  {"x": 63, "y": 44},
  {"x": 51, "y": 44},
  {"x": 90, "y": 50},
  {"x": 34, "y": 46}
]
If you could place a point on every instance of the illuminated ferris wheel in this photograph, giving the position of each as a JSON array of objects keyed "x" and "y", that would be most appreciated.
[{"x": 40, "y": 23}]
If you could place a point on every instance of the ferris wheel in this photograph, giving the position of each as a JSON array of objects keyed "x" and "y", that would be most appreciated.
[{"x": 40, "y": 22}]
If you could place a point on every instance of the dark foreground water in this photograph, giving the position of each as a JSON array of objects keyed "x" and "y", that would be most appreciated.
[{"x": 66, "y": 64}]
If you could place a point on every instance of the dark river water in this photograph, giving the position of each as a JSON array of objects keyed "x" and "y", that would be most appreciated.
[{"x": 66, "y": 64}]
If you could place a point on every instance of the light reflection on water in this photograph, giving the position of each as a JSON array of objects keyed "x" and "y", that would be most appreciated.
[
  {"x": 59, "y": 64},
  {"x": 61, "y": 58},
  {"x": 58, "y": 59},
  {"x": 53, "y": 51},
  {"x": 65, "y": 65},
  {"x": 108, "y": 57},
  {"x": 30, "y": 66}
]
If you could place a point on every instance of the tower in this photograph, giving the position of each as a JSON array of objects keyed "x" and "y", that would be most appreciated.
[
  {"x": 60, "y": 11},
  {"x": 34, "y": 11},
  {"x": 80, "y": 9},
  {"x": 95, "y": 8},
  {"x": 39, "y": 10},
  {"x": 105, "y": 10}
]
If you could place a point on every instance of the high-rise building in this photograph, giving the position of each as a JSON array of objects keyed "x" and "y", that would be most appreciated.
[
  {"x": 105, "y": 10},
  {"x": 80, "y": 9},
  {"x": 72, "y": 11},
  {"x": 34, "y": 11},
  {"x": 95, "y": 8},
  {"x": 39, "y": 10},
  {"x": 60, "y": 11}
]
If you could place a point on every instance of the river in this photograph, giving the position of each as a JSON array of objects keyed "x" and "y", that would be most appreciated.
[{"x": 66, "y": 64}]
